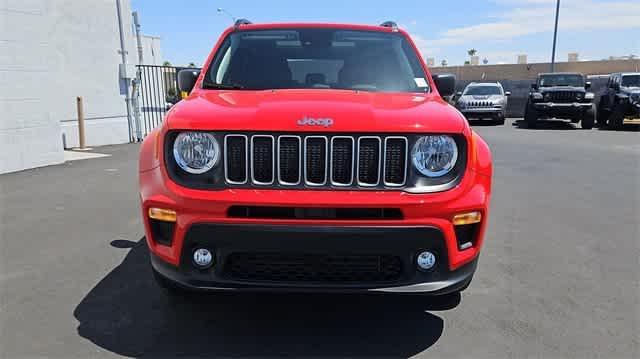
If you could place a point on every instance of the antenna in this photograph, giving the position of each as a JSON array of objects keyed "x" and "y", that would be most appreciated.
[{"x": 225, "y": 12}]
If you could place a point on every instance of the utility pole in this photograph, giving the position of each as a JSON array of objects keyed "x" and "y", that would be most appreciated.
[
  {"x": 135, "y": 90},
  {"x": 123, "y": 53},
  {"x": 555, "y": 36}
]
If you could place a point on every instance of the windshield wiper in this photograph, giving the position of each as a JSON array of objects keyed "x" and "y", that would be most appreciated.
[{"x": 212, "y": 86}]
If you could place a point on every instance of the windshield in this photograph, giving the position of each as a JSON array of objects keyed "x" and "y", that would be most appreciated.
[
  {"x": 316, "y": 58},
  {"x": 574, "y": 80},
  {"x": 631, "y": 81},
  {"x": 482, "y": 90}
]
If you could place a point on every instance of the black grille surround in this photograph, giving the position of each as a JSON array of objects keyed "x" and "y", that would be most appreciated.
[{"x": 325, "y": 161}]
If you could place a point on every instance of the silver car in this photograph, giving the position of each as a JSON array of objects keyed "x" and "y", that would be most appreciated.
[{"x": 483, "y": 100}]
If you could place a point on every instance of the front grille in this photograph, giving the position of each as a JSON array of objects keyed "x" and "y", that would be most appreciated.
[
  {"x": 315, "y": 161},
  {"x": 562, "y": 96},
  {"x": 313, "y": 268},
  {"x": 481, "y": 104}
]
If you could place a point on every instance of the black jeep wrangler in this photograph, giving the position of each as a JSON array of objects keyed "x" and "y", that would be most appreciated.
[
  {"x": 620, "y": 101},
  {"x": 561, "y": 96}
]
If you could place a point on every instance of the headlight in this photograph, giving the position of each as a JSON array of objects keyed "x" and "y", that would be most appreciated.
[
  {"x": 196, "y": 152},
  {"x": 537, "y": 96},
  {"x": 434, "y": 156},
  {"x": 462, "y": 104},
  {"x": 589, "y": 96}
]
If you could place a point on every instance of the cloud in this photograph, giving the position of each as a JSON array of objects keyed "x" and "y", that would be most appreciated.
[{"x": 527, "y": 17}]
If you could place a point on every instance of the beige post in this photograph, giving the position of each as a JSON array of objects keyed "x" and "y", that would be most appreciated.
[{"x": 80, "y": 122}]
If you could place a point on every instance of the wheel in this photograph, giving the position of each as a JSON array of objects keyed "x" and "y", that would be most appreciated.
[
  {"x": 603, "y": 117},
  {"x": 500, "y": 121},
  {"x": 616, "y": 118},
  {"x": 589, "y": 118},
  {"x": 530, "y": 116}
]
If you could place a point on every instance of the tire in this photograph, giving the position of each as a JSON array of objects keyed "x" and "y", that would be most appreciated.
[
  {"x": 616, "y": 118},
  {"x": 603, "y": 117},
  {"x": 588, "y": 119},
  {"x": 500, "y": 121},
  {"x": 530, "y": 116}
]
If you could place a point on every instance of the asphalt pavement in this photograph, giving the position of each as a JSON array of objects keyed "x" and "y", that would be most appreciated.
[{"x": 558, "y": 276}]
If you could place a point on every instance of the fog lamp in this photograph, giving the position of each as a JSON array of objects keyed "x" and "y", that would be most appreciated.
[
  {"x": 202, "y": 258},
  {"x": 426, "y": 260}
]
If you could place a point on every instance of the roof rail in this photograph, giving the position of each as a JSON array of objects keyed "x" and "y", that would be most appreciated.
[
  {"x": 391, "y": 24},
  {"x": 241, "y": 22}
]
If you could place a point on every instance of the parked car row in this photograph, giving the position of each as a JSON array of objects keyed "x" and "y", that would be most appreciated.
[{"x": 563, "y": 96}]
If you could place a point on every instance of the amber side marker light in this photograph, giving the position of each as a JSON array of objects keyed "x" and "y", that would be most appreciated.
[
  {"x": 467, "y": 218},
  {"x": 162, "y": 214}
]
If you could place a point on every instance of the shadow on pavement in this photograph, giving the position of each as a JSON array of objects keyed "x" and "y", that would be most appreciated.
[
  {"x": 126, "y": 313},
  {"x": 485, "y": 123},
  {"x": 548, "y": 125}
]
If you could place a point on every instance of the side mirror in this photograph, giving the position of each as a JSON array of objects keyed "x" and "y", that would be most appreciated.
[
  {"x": 187, "y": 79},
  {"x": 445, "y": 83},
  {"x": 507, "y": 93},
  {"x": 534, "y": 86},
  {"x": 587, "y": 85}
]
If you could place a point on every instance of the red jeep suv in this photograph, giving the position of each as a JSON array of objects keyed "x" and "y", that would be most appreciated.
[{"x": 314, "y": 157}]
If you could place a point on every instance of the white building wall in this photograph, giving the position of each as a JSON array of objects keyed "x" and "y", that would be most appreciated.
[
  {"x": 50, "y": 52},
  {"x": 151, "y": 51}
]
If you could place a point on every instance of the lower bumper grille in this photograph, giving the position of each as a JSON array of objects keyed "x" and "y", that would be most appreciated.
[{"x": 317, "y": 268}]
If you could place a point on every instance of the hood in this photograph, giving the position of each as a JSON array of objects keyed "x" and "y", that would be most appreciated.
[
  {"x": 562, "y": 89},
  {"x": 312, "y": 110}
]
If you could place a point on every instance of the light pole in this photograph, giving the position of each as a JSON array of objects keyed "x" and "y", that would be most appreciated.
[
  {"x": 223, "y": 11},
  {"x": 555, "y": 36}
]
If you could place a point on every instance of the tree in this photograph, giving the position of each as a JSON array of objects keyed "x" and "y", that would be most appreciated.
[
  {"x": 166, "y": 63},
  {"x": 443, "y": 63},
  {"x": 472, "y": 52},
  {"x": 467, "y": 62},
  {"x": 191, "y": 64}
]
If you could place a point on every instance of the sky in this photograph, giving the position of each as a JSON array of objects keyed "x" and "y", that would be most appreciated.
[{"x": 498, "y": 29}]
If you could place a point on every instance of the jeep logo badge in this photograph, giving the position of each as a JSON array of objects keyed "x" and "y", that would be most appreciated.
[{"x": 309, "y": 121}]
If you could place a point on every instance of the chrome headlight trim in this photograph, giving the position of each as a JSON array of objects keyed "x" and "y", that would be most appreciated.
[
  {"x": 211, "y": 155},
  {"x": 430, "y": 145}
]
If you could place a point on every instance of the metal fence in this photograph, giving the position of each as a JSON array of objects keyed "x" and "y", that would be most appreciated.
[{"x": 156, "y": 90}]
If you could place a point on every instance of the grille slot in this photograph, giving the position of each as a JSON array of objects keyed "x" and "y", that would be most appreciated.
[
  {"x": 262, "y": 159},
  {"x": 395, "y": 154},
  {"x": 332, "y": 161},
  {"x": 342, "y": 160},
  {"x": 236, "y": 158},
  {"x": 313, "y": 268},
  {"x": 289, "y": 160},
  {"x": 368, "y": 161},
  {"x": 314, "y": 213},
  {"x": 315, "y": 160}
]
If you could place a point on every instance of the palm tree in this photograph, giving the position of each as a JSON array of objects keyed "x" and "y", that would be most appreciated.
[
  {"x": 166, "y": 63},
  {"x": 191, "y": 64},
  {"x": 472, "y": 52}
]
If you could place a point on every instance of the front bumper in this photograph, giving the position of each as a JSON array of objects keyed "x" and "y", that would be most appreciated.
[
  {"x": 354, "y": 272},
  {"x": 429, "y": 212},
  {"x": 483, "y": 112}
]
